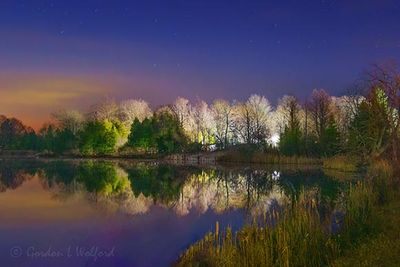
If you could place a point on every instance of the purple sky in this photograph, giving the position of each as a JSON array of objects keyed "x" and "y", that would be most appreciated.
[{"x": 56, "y": 54}]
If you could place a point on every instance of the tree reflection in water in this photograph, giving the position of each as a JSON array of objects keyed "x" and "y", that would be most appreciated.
[{"x": 134, "y": 188}]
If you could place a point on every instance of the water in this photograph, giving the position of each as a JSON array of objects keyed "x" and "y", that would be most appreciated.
[{"x": 127, "y": 213}]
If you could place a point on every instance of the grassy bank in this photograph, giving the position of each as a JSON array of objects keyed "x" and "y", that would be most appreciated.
[
  {"x": 382, "y": 249},
  {"x": 249, "y": 155},
  {"x": 301, "y": 236},
  {"x": 341, "y": 163}
]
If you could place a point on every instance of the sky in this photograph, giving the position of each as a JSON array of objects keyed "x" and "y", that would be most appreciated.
[{"x": 71, "y": 54}]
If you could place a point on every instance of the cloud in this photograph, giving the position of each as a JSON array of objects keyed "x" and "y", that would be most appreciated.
[
  {"x": 32, "y": 97},
  {"x": 46, "y": 91}
]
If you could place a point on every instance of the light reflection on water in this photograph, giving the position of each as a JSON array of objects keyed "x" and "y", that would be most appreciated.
[{"x": 147, "y": 212}]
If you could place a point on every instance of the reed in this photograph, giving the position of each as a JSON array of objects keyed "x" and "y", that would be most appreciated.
[
  {"x": 265, "y": 158},
  {"x": 341, "y": 163},
  {"x": 298, "y": 239},
  {"x": 359, "y": 220},
  {"x": 380, "y": 173},
  {"x": 299, "y": 236}
]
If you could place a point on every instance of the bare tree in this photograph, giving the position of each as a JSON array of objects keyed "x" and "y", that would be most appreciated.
[
  {"x": 252, "y": 118},
  {"x": 287, "y": 112},
  {"x": 182, "y": 108},
  {"x": 132, "y": 109},
  {"x": 319, "y": 107},
  {"x": 106, "y": 109},
  {"x": 223, "y": 117},
  {"x": 204, "y": 121},
  {"x": 73, "y": 120}
]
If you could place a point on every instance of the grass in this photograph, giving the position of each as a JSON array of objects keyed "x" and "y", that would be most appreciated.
[
  {"x": 297, "y": 240},
  {"x": 249, "y": 155},
  {"x": 340, "y": 163},
  {"x": 382, "y": 249},
  {"x": 301, "y": 237}
]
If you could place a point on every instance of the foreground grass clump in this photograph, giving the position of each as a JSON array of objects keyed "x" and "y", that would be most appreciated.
[
  {"x": 298, "y": 239},
  {"x": 340, "y": 163},
  {"x": 380, "y": 172},
  {"x": 300, "y": 236},
  {"x": 359, "y": 215},
  {"x": 382, "y": 249}
]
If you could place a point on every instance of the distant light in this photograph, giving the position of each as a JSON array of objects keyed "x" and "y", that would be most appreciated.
[{"x": 274, "y": 140}]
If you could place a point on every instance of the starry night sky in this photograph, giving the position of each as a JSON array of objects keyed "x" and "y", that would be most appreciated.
[{"x": 56, "y": 54}]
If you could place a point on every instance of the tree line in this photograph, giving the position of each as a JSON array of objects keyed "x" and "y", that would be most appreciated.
[{"x": 365, "y": 122}]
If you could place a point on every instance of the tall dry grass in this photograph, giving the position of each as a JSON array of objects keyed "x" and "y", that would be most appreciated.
[
  {"x": 341, "y": 163},
  {"x": 299, "y": 237}
]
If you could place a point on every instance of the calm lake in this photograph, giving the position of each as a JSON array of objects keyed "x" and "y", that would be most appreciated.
[{"x": 128, "y": 213}]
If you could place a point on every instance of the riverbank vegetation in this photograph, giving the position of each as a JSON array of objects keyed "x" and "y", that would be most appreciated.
[
  {"x": 353, "y": 131},
  {"x": 363, "y": 124},
  {"x": 303, "y": 235}
]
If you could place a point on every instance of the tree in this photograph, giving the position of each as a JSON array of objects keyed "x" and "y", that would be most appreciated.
[
  {"x": 67, "y": 130},
  {"x": 252, "y": 119},
  {"x": 183, "y": 111},
  {"x": 222, "y": 113},
  {"x": 162, "y": 132},
  {"x": 142, "y": 135},
  {"x": 71, "y": 120},
  {"x": 319, "y": 107},
  {"x": 385, "y": 80},
  {"x": 15, "y": 135},
  {"x": 132, "y": 109},
  {"x": 102, "y": 137},
  {"x": 204, "y": 121},
  {"x": 290, "y": 137},
  {"x": 369, "y": 132},
  {"x": 171, "y": 137},
  {"x": 104, "y": 110}
]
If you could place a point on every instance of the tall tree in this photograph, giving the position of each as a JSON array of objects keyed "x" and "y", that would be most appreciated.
[
  {"x": 387, "y": 79},
  {"x": 223, "y": 115},
  {"x": 251, "y": 119},
  {"x": 132, "y": 109},
  {"x": 290, "y": 137},
  {"x": 204, "y": 122}
]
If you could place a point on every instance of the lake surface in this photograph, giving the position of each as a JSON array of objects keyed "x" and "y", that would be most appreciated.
[{"x": 127, "y": 213}]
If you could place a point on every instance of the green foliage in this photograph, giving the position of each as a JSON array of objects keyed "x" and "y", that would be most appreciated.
[
  {"x": 290, "y": 142},
  {"x": 163, "y": 183},
  {"x": 162, "y": 132},
  {"x": 330, "y": 140},
  {"x": 368, "y": 133},
  {"x": 101, "y": 137},
  {"x": 102, "y": 177},
  {"x": 16, "y": 136},
  {"x": 360, "y": 220},
  {"x": 143, "y": 134}
]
